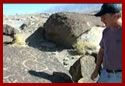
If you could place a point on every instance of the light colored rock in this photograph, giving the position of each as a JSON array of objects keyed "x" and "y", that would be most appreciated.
[
  {"x": 88, "y": 42},
  {"x": 87, "y": 66},
  {"x": 14, "y": 23},
  {"x": 9, "y": 30},
  {"x": 82, "y": 69}
]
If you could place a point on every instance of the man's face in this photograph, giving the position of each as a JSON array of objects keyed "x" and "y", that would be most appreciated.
[
  {"x": 109, "y": 19},
  {"x": 106, "y": 19}
]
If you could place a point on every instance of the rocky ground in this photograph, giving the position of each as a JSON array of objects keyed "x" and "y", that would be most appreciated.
[
  {"x": 32, "y": 65},
  {"x": 44, "y": 63},
  {"x": 27, "y": 64}
]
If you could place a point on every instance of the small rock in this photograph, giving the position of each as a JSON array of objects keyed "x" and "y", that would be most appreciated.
[
  {"x": 65, "y": 63},
  {"x": 72, "y": 57},
  {"x": 66, "y": 59}
]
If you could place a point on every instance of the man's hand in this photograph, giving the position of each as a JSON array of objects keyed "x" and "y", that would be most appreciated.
[
  {"x": 94, "y": 74},
  {"x": 98, "y": 63}
]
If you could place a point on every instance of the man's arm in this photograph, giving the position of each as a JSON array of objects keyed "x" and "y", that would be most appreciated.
[
  {"x": 99, "y": 58},
  {"x": 98, "y": 63}
]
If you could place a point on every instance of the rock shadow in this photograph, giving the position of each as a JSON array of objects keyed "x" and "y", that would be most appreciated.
[
  {"x": 39, "y": 41},
  {"x": 56, "y": 77}
]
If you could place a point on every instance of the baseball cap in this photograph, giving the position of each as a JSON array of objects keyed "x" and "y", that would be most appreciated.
[{"x": 109, "y": 8}]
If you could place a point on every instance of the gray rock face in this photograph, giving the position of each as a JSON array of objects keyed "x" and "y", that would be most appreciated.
[
  {"x": 27, "y": 65},
  {"x": 16, "y": 23},
  {"x": 9, "y": 30},
  {"x": 65, "y": 28},
  {"x": 82, "y": 69},
  {"x": 7, "y": 39}
]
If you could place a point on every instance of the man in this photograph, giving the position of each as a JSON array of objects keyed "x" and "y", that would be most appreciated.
[{"x": 110, "y": 53}]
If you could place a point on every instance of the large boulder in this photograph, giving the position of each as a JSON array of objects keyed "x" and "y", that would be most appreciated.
[{"x": 65, "y": 28}]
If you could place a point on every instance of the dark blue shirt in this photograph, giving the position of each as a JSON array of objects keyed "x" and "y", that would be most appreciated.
[{"x": 112, "y": 44}]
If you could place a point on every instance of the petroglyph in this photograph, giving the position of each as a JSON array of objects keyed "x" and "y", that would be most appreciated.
[{"x": 35, "y": 65}]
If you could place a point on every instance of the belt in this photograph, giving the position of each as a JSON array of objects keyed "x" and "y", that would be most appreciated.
[{"x": 113, "y": 71}]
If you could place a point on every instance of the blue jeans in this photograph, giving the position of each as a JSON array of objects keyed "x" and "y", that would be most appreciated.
[{"x": 106, "y": 77}]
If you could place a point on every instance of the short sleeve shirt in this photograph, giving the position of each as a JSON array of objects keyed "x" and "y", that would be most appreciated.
[{"x": 111, "y": 42}]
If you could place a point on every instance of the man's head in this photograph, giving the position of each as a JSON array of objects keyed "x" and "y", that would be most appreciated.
[{"x": 110, "y": 14}]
